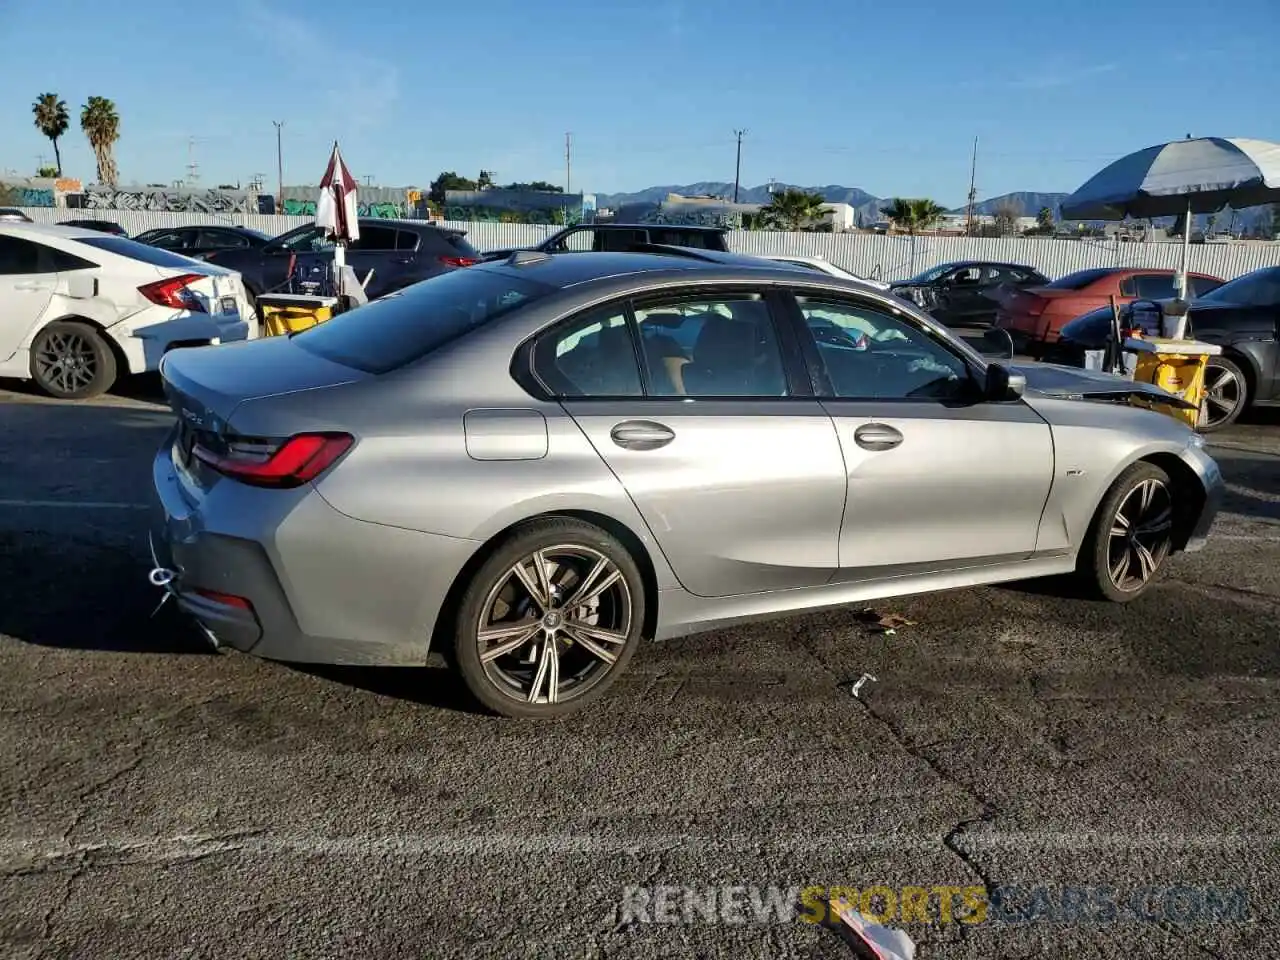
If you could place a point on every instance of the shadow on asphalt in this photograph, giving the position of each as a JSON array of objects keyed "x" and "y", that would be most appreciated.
[
  {"x": 143, "y": 386},
  {"x": 72, "y": 593},
  {"x": 432, "y": 686}
]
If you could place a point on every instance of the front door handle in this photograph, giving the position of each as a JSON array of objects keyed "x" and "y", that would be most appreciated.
[
  {"x": 877, "y": 436},
  {"x": 642, "y": 434}
]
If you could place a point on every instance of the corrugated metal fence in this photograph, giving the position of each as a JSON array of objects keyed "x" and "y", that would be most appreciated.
[{"x": 888, "y": 258}]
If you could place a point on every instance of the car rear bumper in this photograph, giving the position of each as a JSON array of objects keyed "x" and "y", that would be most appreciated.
[
  {"x": 144, "y": 341},
  {"x": 282, "y": 575}
]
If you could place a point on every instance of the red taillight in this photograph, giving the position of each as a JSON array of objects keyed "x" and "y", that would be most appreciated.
[
  {"x": 226, "y": 599},
  {"x": 459, "y": 261},
  {"x": 268, "y": 463},
  {"x": 174, "y": 293}
]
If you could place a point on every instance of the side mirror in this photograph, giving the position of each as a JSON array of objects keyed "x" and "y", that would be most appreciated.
[
  {"x": 997, "y": 343},
  {"x": 1003, "y": 384}
]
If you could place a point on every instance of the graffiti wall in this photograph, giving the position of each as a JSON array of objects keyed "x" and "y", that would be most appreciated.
[
  {"x": 513, "y": 206},
  {"x": 165, "y": 199},
  {"x": 385, "y": 209},
  {"x": 20, "y": 196}
]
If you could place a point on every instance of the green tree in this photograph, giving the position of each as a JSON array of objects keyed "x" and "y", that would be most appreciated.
[
  {"x": 52, "y": 120},
  {"x": 448, "y": 181},
  {"x": 913, "y": 215},
  {"x": 47, "y": 172},
  {"x": 539, "y": 186},
  {"x": 1044, "y": 222},
  {"x": 794, "y": 209},
  {"x": 101, "y": 125},
  {"x": 1006, "y": 215}
]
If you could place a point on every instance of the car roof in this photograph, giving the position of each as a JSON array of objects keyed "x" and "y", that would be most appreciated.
[
  {"x": 570, "y": 269},
  {"x": 405, "y": 224},
  {"x": 685, "y": 227},
  {"x": 35, "y": 231}
]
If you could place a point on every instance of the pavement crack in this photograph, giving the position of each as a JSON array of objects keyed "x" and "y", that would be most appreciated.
[{"x": 988, "y": 810}]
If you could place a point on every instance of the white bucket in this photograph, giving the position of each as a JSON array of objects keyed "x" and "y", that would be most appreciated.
[{"x": 1093, "y": 359}]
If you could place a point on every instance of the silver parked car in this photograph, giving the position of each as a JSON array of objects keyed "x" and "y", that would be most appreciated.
[{"x": 534, "y": 463}]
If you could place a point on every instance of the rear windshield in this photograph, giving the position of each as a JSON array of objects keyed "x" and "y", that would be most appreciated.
[
  {"x": 121, "y": 246},
  {"x": 1079, "y": 280},
  {"x": 459, "y": 243},
  {"x": 397, "y": 329}
]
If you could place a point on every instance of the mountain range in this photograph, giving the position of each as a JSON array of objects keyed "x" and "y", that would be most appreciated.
[{"x": 868, "y": 206}]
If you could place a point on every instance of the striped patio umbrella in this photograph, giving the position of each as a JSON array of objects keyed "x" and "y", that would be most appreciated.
[
  {"x": 1188, "y": 176},
  {"x": 336, "y": 210}
]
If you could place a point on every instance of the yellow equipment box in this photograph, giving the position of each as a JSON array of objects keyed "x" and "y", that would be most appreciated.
[
  {"x": 285, "y": 313},
  {"x": 1176, "y": 366}
]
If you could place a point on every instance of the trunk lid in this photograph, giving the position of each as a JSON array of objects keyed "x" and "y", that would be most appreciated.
[{"x": 205, "y": 385}]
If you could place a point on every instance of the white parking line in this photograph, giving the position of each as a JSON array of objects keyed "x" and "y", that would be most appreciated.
[
  {"x": 72, "y": 505},
  {"x": 184, "y": 846}
]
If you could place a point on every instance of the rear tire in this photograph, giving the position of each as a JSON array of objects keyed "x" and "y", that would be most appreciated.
[
  {"x": 524, "y": 647},
  {"x": 1131, "y": 536},
  {"x": 72, "y": 361}
]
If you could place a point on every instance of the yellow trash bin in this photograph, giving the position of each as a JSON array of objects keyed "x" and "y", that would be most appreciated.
[
  {"x": 1174, "y": 365},
  {"x": 285, "y": 313}
]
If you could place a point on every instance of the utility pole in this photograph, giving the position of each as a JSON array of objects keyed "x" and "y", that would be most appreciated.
[
  {"x": 737, "y": 169},
  {"x": 193, "y": 168},
  {"x": 973, "y": 190},
  {"x": 279, "y": 167},
  {"x": 568, "y": 164}
]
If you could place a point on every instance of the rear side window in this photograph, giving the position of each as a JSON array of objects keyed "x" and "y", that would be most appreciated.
[
  {"x": 406, "y": 240},
  {"x": 1154, "y": 286},
  {"x": 401, "y": 327},
  {"x": 439, "y": 243},
  {"x": 696, "y": 239},
  {"x": 136, "y": 251},
  {"x": 18, "y": 256},
  {"x": 1202, "y": 285},
  {"x": 376, "y": 238},
  {"x": 1080, "y": 279}
]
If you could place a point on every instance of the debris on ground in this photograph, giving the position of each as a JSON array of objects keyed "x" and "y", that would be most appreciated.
[
  {"x": 886, "y": 623},
  {"x": 858, "y": 684},
  {"x": 869, "y": 939}
]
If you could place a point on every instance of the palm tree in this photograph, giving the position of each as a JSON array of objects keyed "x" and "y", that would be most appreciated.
[
  {"x": 52, "y": 121},
  {"x": 794, "y": 208},
  {"x": 101, "y": 124},
  {"x": 913, "y": 216}
]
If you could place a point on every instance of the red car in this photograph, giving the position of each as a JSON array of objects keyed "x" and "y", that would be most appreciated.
[{"x": 1034, "y": 315}]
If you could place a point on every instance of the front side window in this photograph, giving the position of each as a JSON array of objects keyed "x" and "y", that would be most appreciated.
[
  {"x": 591, "y": 356},
  {"x": 870, "y": 355},
  {"x": 305, "y": 240},
  {"x": 224, "y": 239},
  {"x": 711, "y": 346},
  {"x": 376, "y": 238}
]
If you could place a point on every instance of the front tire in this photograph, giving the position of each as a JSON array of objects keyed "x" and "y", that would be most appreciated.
[
  {"x": 550, "y": 620},
  {"x": 1131, "y": 536},
  {"x": 72, "y": 361},
  {"x": 1226, "y": 395}
]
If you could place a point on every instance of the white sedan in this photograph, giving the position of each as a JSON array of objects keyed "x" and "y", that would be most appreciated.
[
  {"x": 823, "y": 265},
  {"x": 78, "y": 307}
]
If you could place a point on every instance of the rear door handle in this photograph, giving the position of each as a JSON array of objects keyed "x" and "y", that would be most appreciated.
[
  {"x": 877, "y": 436},
  {"x": 642, "y": 434}
]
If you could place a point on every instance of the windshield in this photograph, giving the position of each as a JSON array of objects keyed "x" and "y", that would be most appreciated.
[
  {"x": 1078, "y": 280},
  {"x": 932, "y": 274},
  {"x": 138, "y": 251},
  {"x": 394, "y": 330},
  {"x": 1258, "y": 289}
]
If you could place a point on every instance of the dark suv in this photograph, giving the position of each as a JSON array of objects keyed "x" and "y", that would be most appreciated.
[
  {"x": 620, "y": 237},
  {"x": 399, "y": 252}
]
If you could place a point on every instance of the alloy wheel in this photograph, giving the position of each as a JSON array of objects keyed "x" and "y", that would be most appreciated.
[
  {"x": 1224, "y": 392},
  {"x": 1141, "y": 535},
  {"x": 67, "y": 361},
  {"x": 554, "y": 624}
]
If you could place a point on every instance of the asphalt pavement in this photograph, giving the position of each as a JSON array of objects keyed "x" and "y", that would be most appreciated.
[{"x": 161, "y": 801}]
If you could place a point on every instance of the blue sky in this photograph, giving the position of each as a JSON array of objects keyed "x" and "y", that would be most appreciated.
[{"x": 885, "y": 96}]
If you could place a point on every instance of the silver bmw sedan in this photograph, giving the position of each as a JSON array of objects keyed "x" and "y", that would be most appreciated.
[{"x": 536, "y": 463}]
